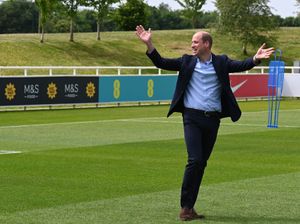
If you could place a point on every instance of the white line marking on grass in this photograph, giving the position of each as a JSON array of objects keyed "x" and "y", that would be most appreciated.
[
  {"x": 151, "y": 121},
  {"x": 259, "y": 125},
  {"x": 266, "y": 111},
  {"x": 82, "y": 122},
  {"x": 5, "y": 152},
  {"x": 59, "y": 123},
  {"x": 138, "y": 120},
  {"x": 143, "y": 119}
]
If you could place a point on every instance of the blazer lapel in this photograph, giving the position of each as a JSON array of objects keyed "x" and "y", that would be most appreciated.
[
  {"x": 217, "y": 67},
  {"x": 189, "y": 70}
]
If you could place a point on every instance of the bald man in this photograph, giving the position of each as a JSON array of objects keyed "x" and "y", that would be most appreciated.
[{"x": 203, "y": 95}]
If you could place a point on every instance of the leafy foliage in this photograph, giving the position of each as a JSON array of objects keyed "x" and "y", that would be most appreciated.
[
  {"x": 192, "y": 9},
  {"x": 102, "y": 8},
  {"x": 71, "y": 7},
  {"x": 55, "y": 17},
  {"x": 249, "y": 21},
  {"x": 45, "y": 9},
  {"x": 130, "y": 14},
  {"x": 163, "y": 18},
  {"x": 12, "y": 22}
]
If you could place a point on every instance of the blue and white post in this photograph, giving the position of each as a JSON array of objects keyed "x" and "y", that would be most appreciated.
[{"x": 275, "y": 86}]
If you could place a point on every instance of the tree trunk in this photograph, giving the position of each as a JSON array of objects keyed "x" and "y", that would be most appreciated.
[
  {"x": 194, "y": 21},
  {"x": 42, "y": 33},
  {"x": 98, "y": 29},
  {"x": 39, "y": 25},
  {"x": 245, "y": 49},
  {"x": 72, "y": 30}
]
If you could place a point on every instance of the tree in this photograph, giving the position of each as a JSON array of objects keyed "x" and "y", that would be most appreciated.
[
  {"x": 102, "y": 8},
  {"x": 86, "y": 21},
  {"x": 71, "y": 7},
  {"x": 12, "y": 22},
  {"x": 130, "y": 14},
  {"x": 249, "y": 21},
  {"x": 298, "y": 2},
  {"x": 164, "y": 18},
  {"x": 192, "y": 9},
  {"x": 45, "y": 8}
]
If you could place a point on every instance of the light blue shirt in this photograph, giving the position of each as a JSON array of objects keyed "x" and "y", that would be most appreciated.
[{"x": 204, "y": 89}]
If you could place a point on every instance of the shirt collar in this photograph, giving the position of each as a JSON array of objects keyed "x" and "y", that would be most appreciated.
[
  {"x": 206, "y": 62},
  {"x": 209, "y": 61}
]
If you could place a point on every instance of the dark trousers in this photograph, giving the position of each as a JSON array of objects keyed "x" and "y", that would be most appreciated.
[{"x": 200, "y": 132}]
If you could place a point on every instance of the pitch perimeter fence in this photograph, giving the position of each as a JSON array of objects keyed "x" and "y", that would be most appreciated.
[{"x": 22, "y": 86}]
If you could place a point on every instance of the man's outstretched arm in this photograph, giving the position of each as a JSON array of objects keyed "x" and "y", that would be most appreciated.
[
  {"x": 240, "y": 66},
  {"x": 160, "y": 62}
]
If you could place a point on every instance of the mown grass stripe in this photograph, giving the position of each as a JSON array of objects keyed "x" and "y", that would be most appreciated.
[{"x": 256, "y": 200}]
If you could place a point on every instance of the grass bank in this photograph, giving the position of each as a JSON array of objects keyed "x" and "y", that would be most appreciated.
[{"x": 122, "y": 48}]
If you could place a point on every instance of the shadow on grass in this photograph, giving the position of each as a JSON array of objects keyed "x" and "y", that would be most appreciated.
[{"x": 106, "y": 53}]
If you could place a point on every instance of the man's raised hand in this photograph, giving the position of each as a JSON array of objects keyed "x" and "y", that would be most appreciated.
[
  {"x": 145, "y": 36},
  {"x": 264, "y": 53}
]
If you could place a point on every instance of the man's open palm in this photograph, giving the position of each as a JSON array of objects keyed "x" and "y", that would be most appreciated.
[
  {"x": 264, "y": 53},
  {"x": 144, "y": 35}
]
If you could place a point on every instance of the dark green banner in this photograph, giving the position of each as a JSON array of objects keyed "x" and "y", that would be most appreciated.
[{"x": 48, "y": 90}]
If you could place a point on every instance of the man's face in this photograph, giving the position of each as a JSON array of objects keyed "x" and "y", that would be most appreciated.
[{"x": 198, "y": 46}]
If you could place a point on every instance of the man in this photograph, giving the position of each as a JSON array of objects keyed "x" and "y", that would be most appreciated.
[{"x": 203, "y": 96}]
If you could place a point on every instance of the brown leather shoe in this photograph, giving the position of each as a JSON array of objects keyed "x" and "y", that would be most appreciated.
[{"x": 187, "y": 214}]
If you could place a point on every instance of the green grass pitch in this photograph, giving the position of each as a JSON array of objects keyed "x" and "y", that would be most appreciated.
[{"x": 125, "y": 165}]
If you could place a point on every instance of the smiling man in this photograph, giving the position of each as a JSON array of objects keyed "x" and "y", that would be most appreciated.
[{"x": 203, "y": 96}]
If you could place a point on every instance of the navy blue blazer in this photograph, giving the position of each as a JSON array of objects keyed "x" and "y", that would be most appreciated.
[{"x": 186, "y": 64}]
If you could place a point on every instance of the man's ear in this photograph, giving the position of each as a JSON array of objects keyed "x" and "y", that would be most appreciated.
[{"x": 206, "y": 43}]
